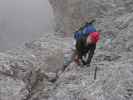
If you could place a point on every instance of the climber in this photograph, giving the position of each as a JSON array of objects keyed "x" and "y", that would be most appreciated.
[{"x": 86, "y": 40}]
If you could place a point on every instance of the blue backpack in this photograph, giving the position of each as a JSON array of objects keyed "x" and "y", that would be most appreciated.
[{"x": 84, "y": 31}]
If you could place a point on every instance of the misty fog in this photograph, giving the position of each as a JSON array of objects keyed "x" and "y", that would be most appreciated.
[{"x": 23, "y": 20}]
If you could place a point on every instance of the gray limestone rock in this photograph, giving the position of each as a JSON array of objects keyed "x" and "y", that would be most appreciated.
[{"x": 34, "y": 71}]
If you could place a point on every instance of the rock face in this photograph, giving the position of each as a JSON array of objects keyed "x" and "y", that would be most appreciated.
[
  {"x": 113, "y": 61},
  {"x": 70, "y": 14},
  {"x": 113, "y": 56},
  {"x": 28, "y": 73},
  {"x": 33, "y": 72}
]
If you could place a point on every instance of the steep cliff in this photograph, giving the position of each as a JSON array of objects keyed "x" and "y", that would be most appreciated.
[
  {"x": 113, "y": 58},
  {"x": 70, "y": 14},
  {"x": 33, "y": 72}
]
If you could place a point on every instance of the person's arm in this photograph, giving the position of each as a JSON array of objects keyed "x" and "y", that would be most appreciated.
[{"x": 90, "y": 55}]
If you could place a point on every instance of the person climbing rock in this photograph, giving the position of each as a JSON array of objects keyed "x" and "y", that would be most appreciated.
[{"x": 86, "y": 40}]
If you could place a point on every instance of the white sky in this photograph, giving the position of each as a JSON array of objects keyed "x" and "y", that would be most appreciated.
[{"x": 23, "y": 20}]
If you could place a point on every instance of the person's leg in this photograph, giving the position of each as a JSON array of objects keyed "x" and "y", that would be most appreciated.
[
  {"x": 77, "y": 57},
  {"x": 83, "y": 59},
  {"x": 84, "y": 63}
]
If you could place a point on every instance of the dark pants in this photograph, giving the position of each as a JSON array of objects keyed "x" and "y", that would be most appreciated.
[{"x": 80, "y": 56}]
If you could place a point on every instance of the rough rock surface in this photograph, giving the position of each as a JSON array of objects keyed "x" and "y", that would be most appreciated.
[
  {"x": 28, "y": 73},
  {"x": 114, "y": 54},
  {"x": 114, "y": 78},
  {"x": 33, "y": 72},
  {"x": 70, "y": 14}
]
